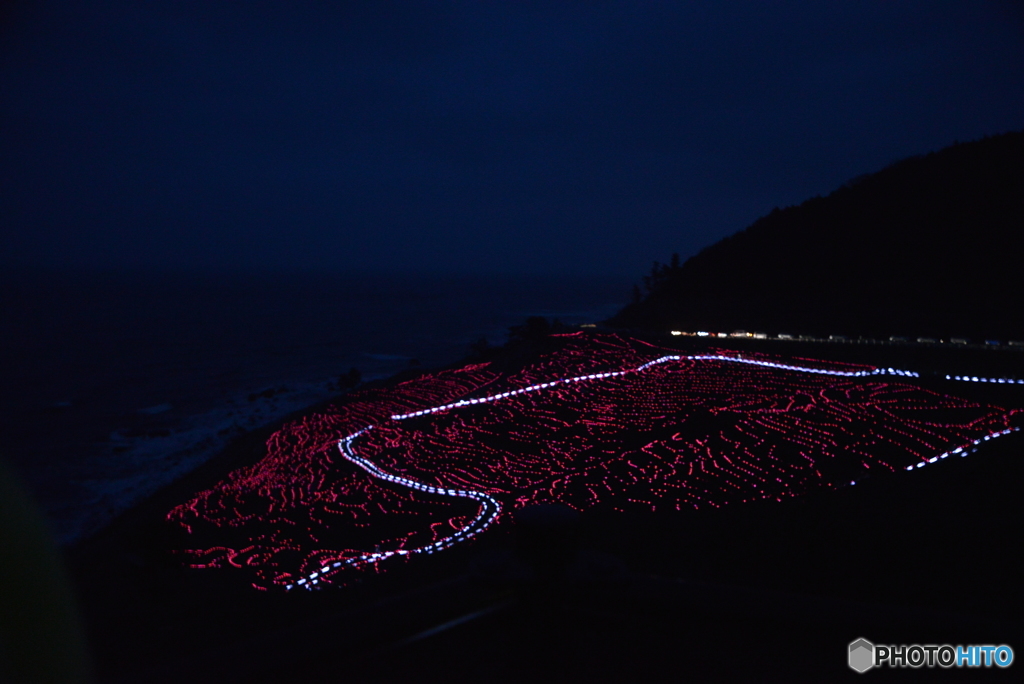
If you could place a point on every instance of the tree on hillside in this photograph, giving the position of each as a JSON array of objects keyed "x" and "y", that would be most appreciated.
[
  {"x": 535, "y": 328},
  {"x": 660, "y": 274}
]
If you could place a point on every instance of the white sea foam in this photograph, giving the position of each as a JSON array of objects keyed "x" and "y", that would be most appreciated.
[{"x": 139, "y": 465}]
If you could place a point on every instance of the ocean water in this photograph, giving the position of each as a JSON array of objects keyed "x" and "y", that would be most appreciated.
[{"x": 117, "y": 384}]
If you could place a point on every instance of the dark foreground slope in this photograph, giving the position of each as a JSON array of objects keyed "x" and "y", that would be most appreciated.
[{"x": 932, "y": 245}]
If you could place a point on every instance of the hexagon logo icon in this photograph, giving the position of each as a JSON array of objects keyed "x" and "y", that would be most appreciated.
[{"x": 862, "y": 655}]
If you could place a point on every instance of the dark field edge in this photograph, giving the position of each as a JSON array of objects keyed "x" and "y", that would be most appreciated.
[{"x": 758, "y": 590}]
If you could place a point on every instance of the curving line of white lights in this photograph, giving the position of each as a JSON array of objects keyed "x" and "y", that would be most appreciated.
[
  {"x": 490, "y": 507},
  {"x": 663, "y": 359}
]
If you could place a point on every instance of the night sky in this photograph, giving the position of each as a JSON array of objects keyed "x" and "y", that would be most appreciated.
[{"x": 516, "y": 137}]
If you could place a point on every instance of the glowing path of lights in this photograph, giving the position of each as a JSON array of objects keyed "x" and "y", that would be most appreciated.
[
  {"x": 663, "y": 359},
  {"x": 490, "y": 507}
]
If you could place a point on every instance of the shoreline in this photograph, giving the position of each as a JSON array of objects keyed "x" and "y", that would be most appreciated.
[{"x": 235, "y": 453}]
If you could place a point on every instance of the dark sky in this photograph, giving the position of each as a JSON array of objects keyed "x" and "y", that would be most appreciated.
[{"x": 588, "y": 137}]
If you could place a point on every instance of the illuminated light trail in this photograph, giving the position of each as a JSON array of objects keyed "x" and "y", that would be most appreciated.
[
  {"x": 663, "y": 359},
  {"x": 489, "y": 510},
  {"x": 678, "y": 431}
]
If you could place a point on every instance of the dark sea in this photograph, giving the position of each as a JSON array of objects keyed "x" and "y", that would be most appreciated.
[{"x": 115, "y": 385}]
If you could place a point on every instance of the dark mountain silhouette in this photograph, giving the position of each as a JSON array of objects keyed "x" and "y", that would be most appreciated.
[{"x": 932, "y": 245}]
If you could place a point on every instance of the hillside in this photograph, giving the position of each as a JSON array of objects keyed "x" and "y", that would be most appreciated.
[{"x": 931, "y": 245}]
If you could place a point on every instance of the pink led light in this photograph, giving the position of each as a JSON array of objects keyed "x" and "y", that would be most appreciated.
[{"x": 432, "y": 462}]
